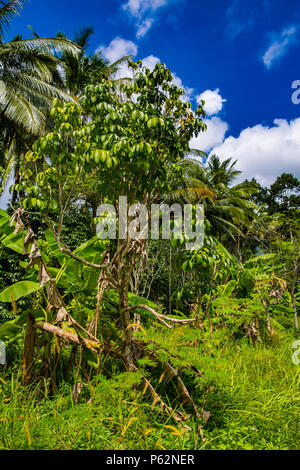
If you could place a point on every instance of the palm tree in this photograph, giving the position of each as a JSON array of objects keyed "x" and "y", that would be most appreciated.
[
  {"x": 227, "y": 208},
  {"x": 27, "y": 70},
  {"x": 222, "y": 172},
  {"x": 80, "y": 70},
  {"x": 26, "y": 73}
]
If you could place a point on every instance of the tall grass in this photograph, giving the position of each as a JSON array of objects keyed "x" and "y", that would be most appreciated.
[{"x": 252, "y": 393}]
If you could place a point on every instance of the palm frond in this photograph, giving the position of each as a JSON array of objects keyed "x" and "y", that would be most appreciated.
[
  {"x": 114, "y": 67},
  {"x": 224, "y": 225},
  {"x": 32, "y": 61},
  {"x": 238, "y": 202},
  {"x": 7, "y": 11},
  {"x": 9, "y": 165},
  {"x": 191, "y": 194},
  {"x": 120, "y": 81},
  {"x": 39, "y": 87},
  {"x": 194, "y": 153},
  {"x": 82, "y": 37},
  {"x": 51, "y": 45},
  {"x": 17, "y": 109}
]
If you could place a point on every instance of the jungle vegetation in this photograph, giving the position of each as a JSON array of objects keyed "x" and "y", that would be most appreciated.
[{"x": 132, "y": 343}]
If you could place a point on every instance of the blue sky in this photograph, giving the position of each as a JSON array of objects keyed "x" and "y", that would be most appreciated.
[{"x": 242, "y": 56}]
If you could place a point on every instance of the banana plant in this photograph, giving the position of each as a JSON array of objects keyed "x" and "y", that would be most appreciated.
[{"x": 68, "y": 273}]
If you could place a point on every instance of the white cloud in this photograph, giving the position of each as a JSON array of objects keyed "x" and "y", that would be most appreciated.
[
  {"x": 265, "y": 152},
  {"x": 216, "y": 130},
  {"x": 262, "y": 152},
  {"x": 118, "y": 48},
  {"x": 144, "y": 13},
  {"x": 5, "y": 197},
  {"x": 150, "y": 62},
  {"x": 133, "y": 6},
  {"x": 188, "y": 92},
  {"x": 216, "y": 127},
  {"x": 213, "y": 101},
  {"x": 236, "y": 27},
  {"x": 144, "y": 27},
  {"x": 137, "y": 8},
  {"x": 280, "y": 44},
  {"x": 241, "y": 15}
]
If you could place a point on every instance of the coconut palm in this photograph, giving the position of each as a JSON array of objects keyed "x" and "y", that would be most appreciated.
[
  {"x": 26, "y": 73},
  {"x": 80, "y": 70},
  {"x": 27, "y": 90},
  {"x": 222, "y": 172},
  {"x": 227, "y": 208}
]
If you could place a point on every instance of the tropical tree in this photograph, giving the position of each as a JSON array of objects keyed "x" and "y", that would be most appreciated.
[
  {"x": 227, "y": 208},
  {"x": 81, "y": 70},
  {"x": 222, "y": 172},
  {"x": 281, "y": 204},
  {"x": 127, "y": 148},
  {"x": 27, "y": 68}
]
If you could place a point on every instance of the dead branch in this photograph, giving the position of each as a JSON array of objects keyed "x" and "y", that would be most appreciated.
[
  {"x": 183, "y": 392},
  {"x": 162, "y": 318},
  {"x": 151, "y": 310},
  {"x": 177, "y": 415},
  {"x": 68, "y": 337}
]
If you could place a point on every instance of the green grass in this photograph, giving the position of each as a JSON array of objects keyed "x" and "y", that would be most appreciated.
[{"x": 252, "y": 393}]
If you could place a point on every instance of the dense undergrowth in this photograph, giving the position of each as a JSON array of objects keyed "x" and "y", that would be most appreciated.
[
  {"x": 121, "y": 333},
  {"x": 252, "y": 393}
]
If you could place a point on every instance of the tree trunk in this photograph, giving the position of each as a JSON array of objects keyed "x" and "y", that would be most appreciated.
[
  {"x": 295, "y": 310},
  {"x": 292, "y": 291},
  {"x": 29, "y": 343},
  {"x": 20, "y": 156},
  {"x": 268, "y": 318},
  {"x": 125, "y": 318},
  {"x": 124, "y": 267},
  {"x": 17, "y": 180}
]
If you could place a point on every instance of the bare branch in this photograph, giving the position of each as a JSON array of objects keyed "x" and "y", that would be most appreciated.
[
  {"x": 68, "y": 337},
  {"x": 160, "y": 317}
]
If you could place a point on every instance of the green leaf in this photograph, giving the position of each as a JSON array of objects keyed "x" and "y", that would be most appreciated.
[
  {"x": 229, "y": 288},
  {"x": 14, "y": 242},
  {"x": 4, "y": 223},
  {"x": 101, "y": 155},
  {"x": 185, "y": 266},
  {"x": 136, "y": 299},
  {"x": 283, "y": 309},
  {"x": 259, "y": 259},
  {"x": 90, "y": 248},
  {"x": 37, "y": 315},
  {"x": 152, "y": 122},
  {"x": 18, "y": 290},
  {"x": 9, "y": 330}
]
